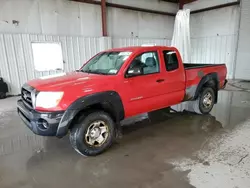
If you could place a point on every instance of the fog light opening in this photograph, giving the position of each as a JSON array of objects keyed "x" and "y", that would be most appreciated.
[{"x": 43, "y": 124}]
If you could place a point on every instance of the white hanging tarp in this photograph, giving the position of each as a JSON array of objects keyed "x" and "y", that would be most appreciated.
[{"x": 181, "y": 36}]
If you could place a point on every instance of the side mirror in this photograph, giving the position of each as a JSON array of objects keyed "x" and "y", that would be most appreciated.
[{"x": 134, "y": 72}]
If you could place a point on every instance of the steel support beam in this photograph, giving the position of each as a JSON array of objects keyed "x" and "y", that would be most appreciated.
[
  {"x": 104, "y": 18},
  {"x": 114, "y": 5},
  {"x": 183, "y": 2},
  {"x": 216, "y": 7},
  {"x": 88, "y": 1}
]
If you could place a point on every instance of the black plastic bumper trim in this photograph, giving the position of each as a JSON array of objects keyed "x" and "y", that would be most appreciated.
[
  {"x": 225, "y": 84},
  {"x": 31, "y": 118}
]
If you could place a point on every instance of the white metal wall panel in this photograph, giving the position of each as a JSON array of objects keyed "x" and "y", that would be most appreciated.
[
  {"x": 64, "y": 17},
  {"x": 57, "y": 17},
  {"x": 243, "y": 53},
  {"x": 16, "y": 59},
  {"x": 124, "y": 42},
  {"x": 214, "y": 35},
  {"x": 149, "y": 4},
  {"x": 128, "y": 23},
  {"x": 219, "y": 22},
  {"x": 215, "y": 50}
]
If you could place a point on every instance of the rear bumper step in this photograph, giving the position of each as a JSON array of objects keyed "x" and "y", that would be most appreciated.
[{"x": 225, "y": 84}]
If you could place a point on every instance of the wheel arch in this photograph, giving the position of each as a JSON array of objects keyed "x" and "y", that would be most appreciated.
[
  {"x": 108, "y": 101},
  {"x": 209, "y": 80}
]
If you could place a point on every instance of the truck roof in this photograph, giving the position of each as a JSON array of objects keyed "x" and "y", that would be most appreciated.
[{"x": 135, "y": 48}]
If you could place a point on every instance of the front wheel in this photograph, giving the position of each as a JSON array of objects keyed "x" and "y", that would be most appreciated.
[
  {"x": 205, "y": 102},
  {"x": 93, "y": 134}
]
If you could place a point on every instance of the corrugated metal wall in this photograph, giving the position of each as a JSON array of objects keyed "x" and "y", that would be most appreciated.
[
  {"x": 16, "y": 59},
  {"x": 215, "y": 50},
  {"x": 243, "y": 55},
  {"x": 123, "y": 42},
  {"x": 17, "y": 65},
  {"x": 64, "y": 17}
]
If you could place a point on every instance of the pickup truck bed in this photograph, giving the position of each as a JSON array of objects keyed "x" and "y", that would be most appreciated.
[
  {"x": 194, "y": 66},
  {"x": 196, "y": 77},
  {"x": 195, "y": 73}
]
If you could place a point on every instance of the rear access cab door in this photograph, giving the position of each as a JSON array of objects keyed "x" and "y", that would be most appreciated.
[{"x": 174, "y": 74}]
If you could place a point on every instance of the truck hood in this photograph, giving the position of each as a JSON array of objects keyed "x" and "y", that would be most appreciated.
[{"x": 59, "y": 81}]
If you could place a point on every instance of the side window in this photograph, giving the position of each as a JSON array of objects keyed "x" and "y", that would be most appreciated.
[
  {"x": 148, "y": 62},
  {"x": 171, "y": 60}
]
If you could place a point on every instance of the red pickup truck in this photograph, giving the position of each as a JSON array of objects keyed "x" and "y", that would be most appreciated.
[{"x": 114, "y": 85}]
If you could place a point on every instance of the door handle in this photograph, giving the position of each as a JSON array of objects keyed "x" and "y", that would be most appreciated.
[{"x": 160, "y": 80}]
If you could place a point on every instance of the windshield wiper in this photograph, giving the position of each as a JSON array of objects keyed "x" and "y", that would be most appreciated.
[{"x": 93, "y": 72}]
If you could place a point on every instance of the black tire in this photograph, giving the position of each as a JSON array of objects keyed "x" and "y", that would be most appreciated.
[
  {"x": 198, "y": 105},
  {"x": 2, "y": 95},
  {"x": 78, "y": 132}
]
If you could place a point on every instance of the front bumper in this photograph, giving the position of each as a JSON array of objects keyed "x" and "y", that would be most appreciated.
[{"x": 36, "y": 120}]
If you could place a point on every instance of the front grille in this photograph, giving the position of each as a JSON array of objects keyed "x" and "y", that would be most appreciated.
[
  {"x": 26, "y": 96},
  {"x": 23, "y": 116}
]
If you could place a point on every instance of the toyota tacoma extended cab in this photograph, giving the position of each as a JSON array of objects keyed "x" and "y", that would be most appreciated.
[{"x": 113, "y": 85}]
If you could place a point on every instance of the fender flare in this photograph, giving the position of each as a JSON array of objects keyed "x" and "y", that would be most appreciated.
[
  {"x": 109, "y": 100},
  {"x": 207, "y": 78}
]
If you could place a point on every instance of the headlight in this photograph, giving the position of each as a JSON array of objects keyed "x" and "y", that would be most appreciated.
[{"x": 48, "y": 99}]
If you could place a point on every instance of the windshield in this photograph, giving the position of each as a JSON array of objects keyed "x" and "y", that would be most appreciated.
[{"x": 108, "y": 63}]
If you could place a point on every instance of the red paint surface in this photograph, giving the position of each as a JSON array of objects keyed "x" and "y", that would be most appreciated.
[
  {"x": 139, "y": 94},
  {"x": 193, "y": 79}
]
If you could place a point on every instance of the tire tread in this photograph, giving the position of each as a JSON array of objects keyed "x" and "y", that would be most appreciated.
[{"x": 74, "y": 133}]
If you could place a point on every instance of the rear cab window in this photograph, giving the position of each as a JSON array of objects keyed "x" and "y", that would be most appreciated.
[{"x": 171, "y": 60}]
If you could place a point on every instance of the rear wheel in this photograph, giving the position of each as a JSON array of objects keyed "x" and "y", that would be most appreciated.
[
  {"x": 205, "y": 102},
  {"x": 93, "y": 134}
]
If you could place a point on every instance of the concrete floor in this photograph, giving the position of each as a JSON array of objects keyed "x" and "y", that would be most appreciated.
[{"x": 179, "y": 150}]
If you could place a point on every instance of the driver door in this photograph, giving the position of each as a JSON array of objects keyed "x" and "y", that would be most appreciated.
[{"x": 143, "y": 91}]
